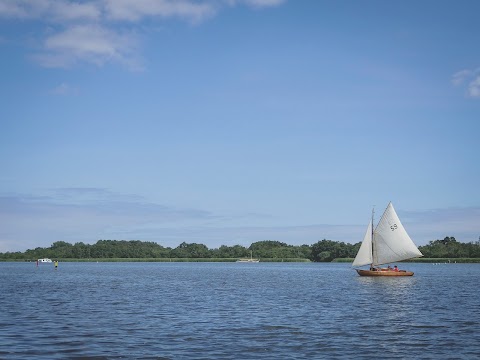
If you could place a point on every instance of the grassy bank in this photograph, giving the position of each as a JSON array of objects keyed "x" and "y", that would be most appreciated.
[
  {"x": 338, "y": 260},
  {"x": 343, "y": 260},
  {"x": 424, "y": 260},
  {"x": 164, "y": 260},
  {"x": 445, "y": 260}
]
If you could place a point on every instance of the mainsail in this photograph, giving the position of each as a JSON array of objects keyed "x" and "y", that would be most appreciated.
[{"x": 390, "y": 242}]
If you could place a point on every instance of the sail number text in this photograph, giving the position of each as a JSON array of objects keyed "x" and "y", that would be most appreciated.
[{"x": 394, "y": 227}]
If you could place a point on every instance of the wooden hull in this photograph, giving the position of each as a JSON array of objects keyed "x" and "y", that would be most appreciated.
[{"x": 384, "y": 273}]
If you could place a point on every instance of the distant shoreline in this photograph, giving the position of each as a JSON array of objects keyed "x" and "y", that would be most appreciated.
[
  {"x": 426, "y": 260},
  {"x": 270, "y": 260},
  {"x": 159, "y": 260}
]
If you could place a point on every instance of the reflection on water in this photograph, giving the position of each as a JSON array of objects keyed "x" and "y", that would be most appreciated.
[
  {"x": 394, "y": 289},
  {"x": 231, "y": 311}
]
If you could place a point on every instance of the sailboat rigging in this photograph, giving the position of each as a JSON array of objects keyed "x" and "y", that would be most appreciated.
[{"x": 387, "y": 243}]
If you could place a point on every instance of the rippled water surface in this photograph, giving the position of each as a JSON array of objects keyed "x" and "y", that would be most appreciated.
[{"x": 237, "y": 311}]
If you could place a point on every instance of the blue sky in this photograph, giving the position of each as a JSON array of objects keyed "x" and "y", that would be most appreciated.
[{"x": 227, "y": 122}]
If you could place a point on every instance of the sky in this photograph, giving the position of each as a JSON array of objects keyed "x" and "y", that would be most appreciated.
[{"x": 226, "y": 122}]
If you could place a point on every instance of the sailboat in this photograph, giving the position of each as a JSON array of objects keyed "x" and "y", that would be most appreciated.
[
  {"x": 251, "y": 260},
  {"x": 387, "y": 243}
]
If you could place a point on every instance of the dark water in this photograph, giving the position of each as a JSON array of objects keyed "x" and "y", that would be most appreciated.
[{"x": 237, "y": 311}]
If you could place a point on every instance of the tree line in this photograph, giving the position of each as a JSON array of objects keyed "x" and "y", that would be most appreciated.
[
  {"x": 322, "y": 251},
  {"x": 449, "y": 247}
]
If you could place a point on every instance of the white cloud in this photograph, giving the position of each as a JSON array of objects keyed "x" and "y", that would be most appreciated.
[
  {"x": 474, "y": 87},
  {"x": 459, "y": 77},
  {"x": 89, "y": 43},
  {"x": 50, "y": 10},
  {"x": 472, "y": 80},
  {"x": 69, "y": 11},
  {"x": 100, "y": 31},
  {"x": 20, "y": 9},
  {"x": 256, "y": 3},
  {"x": 264, "y": 3},
  {"x": 136, "y": 10},
  {"x": 64, "y": 89}
]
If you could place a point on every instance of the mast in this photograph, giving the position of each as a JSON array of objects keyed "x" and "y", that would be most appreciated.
[
  {"x": 373, "y": 214},
  {"x": 364, "y": 254}
]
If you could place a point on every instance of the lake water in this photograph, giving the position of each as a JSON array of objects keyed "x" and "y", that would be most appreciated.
[{"x": 237, "y": 311}]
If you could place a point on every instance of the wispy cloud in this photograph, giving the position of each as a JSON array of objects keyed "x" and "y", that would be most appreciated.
[
  {"x": 459, "y": 77},
  {"x": 470, "y": 79},
  {"x": 89, "y": 214},
  {"x": 64, "y": 89},
  {"x": 258, "y": 3},
  {"x": 96, "y": 201},
  {"x": 474, "y": 87},
  {"x": 89, "y": 43},
  {"x": 83, "y": 214},
  {"x": 433, "y": 224},
  {"x": 137, "y": 10},
  {"x": 60, "y": 11},
  {"x": 99, "y": 32}
]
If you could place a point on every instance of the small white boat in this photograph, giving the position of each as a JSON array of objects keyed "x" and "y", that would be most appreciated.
[
  {"x": 246, "y": 260},
  {"x": 44, "y": 260}
]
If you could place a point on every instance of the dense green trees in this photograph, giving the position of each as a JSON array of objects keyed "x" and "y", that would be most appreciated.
[
  {"x": 451, "y": 248},
  {"x": 324, "y": 250},
  {"x": 278, "y": 250},
  {"x": 327, "y": 250},
  {"x": 192, "y": 251},
  {"x": 236, "y": 251},
  {"x": 102, "y": 249}
]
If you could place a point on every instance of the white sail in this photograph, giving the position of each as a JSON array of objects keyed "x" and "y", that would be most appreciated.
[
  {"x": 364, "y": 255},
  {"x": 391, "y": 242}
]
